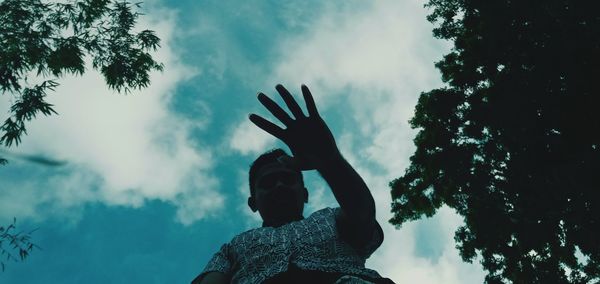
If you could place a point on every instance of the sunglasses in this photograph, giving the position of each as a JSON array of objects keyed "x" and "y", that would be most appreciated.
[{"x": 286, "y": 178}]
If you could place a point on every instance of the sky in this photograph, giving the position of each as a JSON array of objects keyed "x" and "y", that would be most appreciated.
[{"x": 154, "y": 182}]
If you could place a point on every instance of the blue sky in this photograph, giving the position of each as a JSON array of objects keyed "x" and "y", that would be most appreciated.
[{"x": 156, "y": 181}]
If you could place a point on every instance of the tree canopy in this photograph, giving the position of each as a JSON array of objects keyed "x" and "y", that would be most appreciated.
[
  {"x": 511, "y": 142},
  {"x": 41, "y": 41}
]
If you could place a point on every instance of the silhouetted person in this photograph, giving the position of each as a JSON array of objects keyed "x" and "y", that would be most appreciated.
[{"x": 332, "y": 244}]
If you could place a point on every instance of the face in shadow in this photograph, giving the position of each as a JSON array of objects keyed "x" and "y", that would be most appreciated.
[{"x": 278, "y": 195}]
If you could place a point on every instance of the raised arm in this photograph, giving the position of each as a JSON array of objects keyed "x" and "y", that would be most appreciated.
[{"x": 313, "y": 147}]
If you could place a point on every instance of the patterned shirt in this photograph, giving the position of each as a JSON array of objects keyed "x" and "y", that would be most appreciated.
[{"x": 310, "y": 244}]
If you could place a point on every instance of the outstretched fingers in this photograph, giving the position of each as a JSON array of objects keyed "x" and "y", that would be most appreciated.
[
  {"x": 272, "y": 106},
  {"x": 310, "y": 102},
  {"x": 267, "y": 126},
  {"x": 289, "y": 101}
]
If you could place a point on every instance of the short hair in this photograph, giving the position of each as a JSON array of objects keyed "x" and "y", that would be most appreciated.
[{"x": 262, "y": 160}]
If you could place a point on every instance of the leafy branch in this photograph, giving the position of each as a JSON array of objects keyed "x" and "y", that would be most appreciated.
[
  {"x": 52, "y": 40},
  {"x": 14, "y": 246}
]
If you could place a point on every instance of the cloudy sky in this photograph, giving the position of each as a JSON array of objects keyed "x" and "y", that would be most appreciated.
[{"x": 156, "y": 181}]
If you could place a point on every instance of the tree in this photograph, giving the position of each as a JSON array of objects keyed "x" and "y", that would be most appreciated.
[
  {"x": 511, "y": 142},
  {"x": 46, "y": 41},
  {"x": 43, "y": 41},
  {"x": 12, "y": 243}
]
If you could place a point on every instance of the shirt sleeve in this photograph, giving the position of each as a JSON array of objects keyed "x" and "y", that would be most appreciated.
[
  {"x": 364, "y": 247},
  {"x": 374, "y": 242},
  {"x": 220, "y": 262}
]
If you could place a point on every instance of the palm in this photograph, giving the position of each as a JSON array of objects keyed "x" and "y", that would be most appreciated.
[{"x": 308, "y": 137}]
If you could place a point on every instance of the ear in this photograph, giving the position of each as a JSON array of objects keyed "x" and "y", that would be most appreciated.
[
  {"x": 305, "y": 195},
  {"x": 252, "y": 203}
]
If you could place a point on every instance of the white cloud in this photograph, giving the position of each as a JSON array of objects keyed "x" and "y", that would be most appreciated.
[
  {"x": 121, "y": 149},
  {"x": 397, "y": 258},
  {"x": 377, "y": 60},
  {"x": 201, "y": 200},
  {"x": 247, "y": 138}
]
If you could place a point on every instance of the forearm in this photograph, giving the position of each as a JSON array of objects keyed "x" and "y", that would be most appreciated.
[{"x": 349, "y": 189}]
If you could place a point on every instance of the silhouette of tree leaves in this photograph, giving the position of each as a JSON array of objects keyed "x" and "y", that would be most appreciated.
[
  {"x": 53, "y": 40},
  {"x": 14, "y": 246},
  {"x": 511, "y": 143}
]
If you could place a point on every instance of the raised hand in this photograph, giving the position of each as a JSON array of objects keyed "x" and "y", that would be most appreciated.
[{"x": 308, "y": 137}]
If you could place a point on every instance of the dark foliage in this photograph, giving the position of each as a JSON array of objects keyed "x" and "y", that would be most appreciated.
[
  {"x": 48, "y": 40},
  {"x": 512, "y": 142},
  {"x": 14, "y": 246}
]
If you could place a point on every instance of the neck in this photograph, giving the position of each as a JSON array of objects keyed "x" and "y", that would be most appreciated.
[{"x": 281, "y": 222}]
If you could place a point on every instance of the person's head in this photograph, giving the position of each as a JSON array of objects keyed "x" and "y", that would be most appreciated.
[{"x": 277, "y": 190}]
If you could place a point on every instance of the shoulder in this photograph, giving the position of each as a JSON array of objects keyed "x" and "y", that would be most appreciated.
[
  {"x": 250, "y": 236},
  {"x": 322, "y": 218},
  {"x": 325, "y": 213}
]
